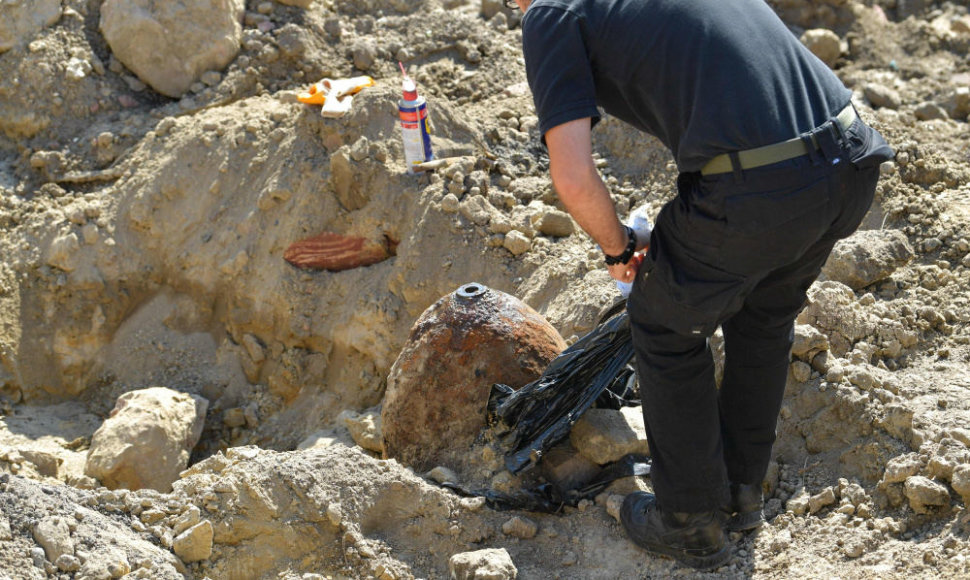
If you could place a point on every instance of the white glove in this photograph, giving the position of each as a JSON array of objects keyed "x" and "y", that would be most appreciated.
[{"x": 642, "y": 227}]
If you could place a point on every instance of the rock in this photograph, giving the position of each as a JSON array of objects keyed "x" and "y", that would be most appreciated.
[
  {"x": 957, "y": 104},
  {"x": 801, "y": 371},
  {"x": 923, "y": 491},
  {"x": 21, "y": 21},
  {"x": 516, "y": 242},
  {"x": 111, "y": 563},
  {"x": 824, "y": 44},
  {"x": 853, "y": 492},
  {"x": 808, "y": 341},
  {"x": 555, "y": 223},
  {"x": 438, "y": 387},
  {"x": 614, "y": 503},
  {"x": 472, "y": 504},
  {"x": 442, "y": 474},
  {"x": 862, "y": 377},
  {"x": 867, "y": 257},
  {"x": 960, "y": 25},
  {"x": 365, "y": 429},
  {"x": 170, "y": 44},
  {"x": 211, "y": 78},
  {"x": 566, "y": 469},
  {"x": 234, "y": 417},
  {"x": 940, "y": 467},
  {"x": 195, "y": 543},
  {"x": 449, "y": 203},
  {"x": 147, "y": 439},
  {"x": 68, "y": 563},
  {"x": 960, "y": 481},
  {"x": 929, "y": 112},
  {"x": 483, "y": 565},
  {"x": 900, "y": 468},
  {"x": 880, "y": 96},
  {"x": 54, "y": 536},
  {"x": 606, "y": 435},
  {"x": 63, "y": 251},
  {"x": 854, "y": 549},
  {"x": 336, "y": 252},
  {"x": 344, "y": 178},
  {"x": 820, "y": 500},
  {"x": 477, "y": 210},
  {"x": 37, "y": 557},
  {"x": 77, "y": 68},
  {"x": 365, "y": 55},
  {"x": 798, "y": 504},
  {"x": 520, "y": 527},
  {"x": 6, "y": 533},
  {"x": 189, "y": 518},
  {"x": 960, "y": 434},
  {"x": 47, "y": 464},
  {"x": 490, "y": 8}
]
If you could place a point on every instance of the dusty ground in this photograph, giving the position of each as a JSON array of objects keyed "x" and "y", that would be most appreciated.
[{"x": 142, "y": 241}]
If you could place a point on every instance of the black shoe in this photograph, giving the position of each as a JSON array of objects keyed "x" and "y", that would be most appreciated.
[
  {"x": 697, "y": 540},
  {"x": 745, "y": 511}
]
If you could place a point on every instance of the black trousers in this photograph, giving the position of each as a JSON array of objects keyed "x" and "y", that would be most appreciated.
[{"x": 736, "y": 250}]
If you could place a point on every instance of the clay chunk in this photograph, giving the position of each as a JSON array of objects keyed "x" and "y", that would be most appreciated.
[{"x": 336, "y": 252}]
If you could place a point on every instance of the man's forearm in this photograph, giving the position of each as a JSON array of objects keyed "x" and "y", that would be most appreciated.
[
  {"x": 588, "y": 201},
  {"x": 579, "y": 185}
]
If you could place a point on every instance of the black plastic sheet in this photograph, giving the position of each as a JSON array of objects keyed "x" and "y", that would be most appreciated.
[
  {"x": 595, "y": 369},
  {"x": 545, "y": 498}
]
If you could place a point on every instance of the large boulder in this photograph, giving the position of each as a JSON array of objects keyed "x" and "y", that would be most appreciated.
[
  {"x": 438, "y": 387},
  {"x": 20, "y": 20},
  {"x": 867, "y": 257},
  {"x": 147, "y": 439},
  {"x": 169, "y": 44}
]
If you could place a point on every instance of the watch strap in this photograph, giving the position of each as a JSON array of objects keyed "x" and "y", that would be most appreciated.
[{"x": 628, "y": 252}]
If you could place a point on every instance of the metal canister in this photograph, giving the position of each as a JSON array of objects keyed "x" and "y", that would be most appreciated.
[{"x": 415, "y": 130}]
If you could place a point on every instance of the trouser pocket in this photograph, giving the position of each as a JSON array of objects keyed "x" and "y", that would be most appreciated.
[{"x": 685, "y": 295}]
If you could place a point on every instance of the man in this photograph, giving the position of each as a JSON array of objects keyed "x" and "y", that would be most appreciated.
[{"x": 775, "y": 167}]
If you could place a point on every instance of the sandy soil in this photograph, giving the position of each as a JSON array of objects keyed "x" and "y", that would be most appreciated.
[{"x": 142, "y": 241}]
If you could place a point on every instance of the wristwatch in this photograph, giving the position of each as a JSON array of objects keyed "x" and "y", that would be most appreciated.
[{"x": 628, "y": 252}]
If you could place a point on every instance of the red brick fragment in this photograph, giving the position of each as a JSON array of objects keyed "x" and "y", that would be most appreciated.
[{"x": 335, "y": 252}]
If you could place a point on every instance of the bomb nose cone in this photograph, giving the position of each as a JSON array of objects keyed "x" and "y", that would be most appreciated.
[
  {"x": 472, "y": 290},
  {"x": 438, "y": 387}
]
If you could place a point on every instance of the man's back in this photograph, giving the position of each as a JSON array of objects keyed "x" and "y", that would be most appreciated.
[{"x": 704, "y": 76}]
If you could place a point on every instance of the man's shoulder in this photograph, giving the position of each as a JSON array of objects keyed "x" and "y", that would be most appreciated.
[{"x": 545, "y": 7}]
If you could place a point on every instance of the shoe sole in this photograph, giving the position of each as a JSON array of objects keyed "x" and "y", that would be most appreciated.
[
  {"x": 745, "y": 522},
  {"x": 706, "y": 562}
]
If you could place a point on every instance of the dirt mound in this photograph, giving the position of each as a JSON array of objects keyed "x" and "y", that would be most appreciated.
[{"x": 143, "y": 241}]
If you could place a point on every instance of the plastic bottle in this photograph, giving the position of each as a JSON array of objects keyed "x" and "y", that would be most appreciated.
[
  {"x": 642, "y": 227},
  {"x": 415, "y": 130}
]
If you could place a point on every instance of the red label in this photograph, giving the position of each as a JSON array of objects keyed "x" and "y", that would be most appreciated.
[{"x": 414, "y": 116}]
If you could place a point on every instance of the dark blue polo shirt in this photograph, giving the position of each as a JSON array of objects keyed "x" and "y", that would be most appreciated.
[{"x": 704, "y": 76}]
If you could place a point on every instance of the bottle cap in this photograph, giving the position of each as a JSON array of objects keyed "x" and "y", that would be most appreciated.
[{"x": 408, "y": 87}]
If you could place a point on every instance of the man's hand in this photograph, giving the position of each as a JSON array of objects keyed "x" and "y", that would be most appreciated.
[{"x": 625, "y": 272}]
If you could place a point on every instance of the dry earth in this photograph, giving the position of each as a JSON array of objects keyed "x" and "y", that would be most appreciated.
[{"x": 142, "y": 241}]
